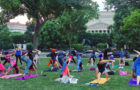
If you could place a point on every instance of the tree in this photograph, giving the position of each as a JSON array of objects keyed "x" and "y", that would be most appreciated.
[
  {"x": 66, "y": 28},
  {"x": 122, "y": 8},
  {"x": 29, "y": 33},
  {"x": 95, "y": 38},
  {"x": 73, "y": 22},
  {"x": 18, "y": 39},
  {"x": 42, "y": 10},
  {"x": 5, "y": 38},
  {"x": 131, "y": 30},
  {"x": 51, "y": 35}
]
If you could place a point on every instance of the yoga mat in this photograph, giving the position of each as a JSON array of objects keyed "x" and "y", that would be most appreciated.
[
  {"x": 11, "y": 76},
  {"x": 2, "y": 73},
  {"x": 26, "y": 77},
  {"x": 131, "y": 82},
  {"x": 123, "y": 73},
  {"x": 102, "y": 81},
  {"x": 92, "y": 69},
  {"x": 114, "y": 66}
]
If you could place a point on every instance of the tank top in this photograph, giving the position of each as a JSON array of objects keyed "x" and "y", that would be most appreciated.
[{"x": 18, "y": 52}]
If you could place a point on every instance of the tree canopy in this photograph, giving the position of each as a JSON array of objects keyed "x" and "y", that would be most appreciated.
[
  {"x": 123, "y": 9},
  {"x": 44, "y": 10},
  {"x": 131, "y": 30}
]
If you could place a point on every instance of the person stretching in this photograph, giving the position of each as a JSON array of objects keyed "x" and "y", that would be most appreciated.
[
  {"x": 101, "y": 68},
  {"x": 27, "y": 61},
  {"x": 53, "y": 57},
  {"x": 12, "y": 64}
]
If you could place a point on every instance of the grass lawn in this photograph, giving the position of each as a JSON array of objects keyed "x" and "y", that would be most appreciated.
[{"x": 117, "y": 82}]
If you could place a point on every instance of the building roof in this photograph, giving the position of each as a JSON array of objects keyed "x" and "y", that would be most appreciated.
[
  {"x": 98, "y": 26},
  {"x": 16, "y": 23}
]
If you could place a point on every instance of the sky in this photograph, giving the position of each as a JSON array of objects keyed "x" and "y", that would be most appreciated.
[{"x": 23, "y": 19}]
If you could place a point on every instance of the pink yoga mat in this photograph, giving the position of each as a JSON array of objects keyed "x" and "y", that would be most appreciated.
[
  {"x": 123, "y": 72},
  {"x": 2, "y": 73},
  {"x": 26, "y": 77},
  {"x": 11, "y": 76}
]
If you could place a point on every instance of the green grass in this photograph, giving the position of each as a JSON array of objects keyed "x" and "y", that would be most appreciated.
[{"x": 117, "y": 82}]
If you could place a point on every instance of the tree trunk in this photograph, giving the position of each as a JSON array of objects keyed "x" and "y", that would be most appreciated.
[{"x": 36, "y": 33}]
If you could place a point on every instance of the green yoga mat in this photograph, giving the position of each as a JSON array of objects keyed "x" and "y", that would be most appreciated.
[{"x": 114, "y": 66}]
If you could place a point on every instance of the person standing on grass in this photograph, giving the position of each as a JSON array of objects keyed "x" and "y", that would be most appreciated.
[
  {"x": 105, "y": 54},
  {"x": 137, "y": 66},
  {"x": 18, "y": 53}
]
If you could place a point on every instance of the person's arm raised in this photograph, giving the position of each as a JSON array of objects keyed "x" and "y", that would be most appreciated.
[
  {"x": 98, "y": 50},
  {"x": 105, "y": 61},
  {"x": 137, "y": 52}
]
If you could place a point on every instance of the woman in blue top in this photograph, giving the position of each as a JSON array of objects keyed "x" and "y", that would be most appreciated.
[{"x": 18, "y": 55}]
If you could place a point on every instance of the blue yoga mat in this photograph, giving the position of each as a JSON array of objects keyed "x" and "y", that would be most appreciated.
[{"x": 131, "y": 82}]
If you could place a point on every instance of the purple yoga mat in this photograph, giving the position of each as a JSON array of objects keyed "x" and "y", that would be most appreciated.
[
  {"x": 2, "y": 73},
  {"x": 26, "y": 77},
  {"x": 92, "y": 69},
  {"x": 131, "y": 82}
]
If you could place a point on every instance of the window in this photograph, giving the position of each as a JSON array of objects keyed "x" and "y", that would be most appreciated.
[{"x": 108, "y": 31}]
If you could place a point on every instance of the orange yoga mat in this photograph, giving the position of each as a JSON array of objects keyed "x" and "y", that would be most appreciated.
[{"x": 102, "y": 81}]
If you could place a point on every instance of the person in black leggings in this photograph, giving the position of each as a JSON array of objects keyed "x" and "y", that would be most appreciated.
[
  {"x": 101, "y": 68},
  {"x": 18, "y": 55}
]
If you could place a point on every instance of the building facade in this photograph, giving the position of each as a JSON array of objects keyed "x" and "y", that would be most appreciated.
[
  {"x": 101, "y": 24},
  {"x": 17, "y": 27}
]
